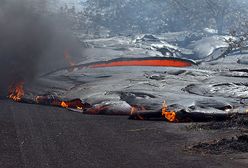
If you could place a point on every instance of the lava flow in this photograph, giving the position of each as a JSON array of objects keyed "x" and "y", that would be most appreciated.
[
  {"x": 149, "y": 61},
  {"x": 74, "y": 104},
  {"x": 55, "y": 101},
  {"x": 169, "y": 115},
  {"x": 16, "y": 91}
]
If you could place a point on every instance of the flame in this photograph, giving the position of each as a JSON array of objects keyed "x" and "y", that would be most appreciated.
[
  {"x": 79, "y": 108},
  {"x": 16, "y": 91},
  {"x": 64, "y": 104},
  {"x": 169, "y": 115},
  {"x": 68, "y": 59},
  {"x": 56, "y": 101},
  {"x": 74, "y": 104},
  {"x": 135, "y": 109}
]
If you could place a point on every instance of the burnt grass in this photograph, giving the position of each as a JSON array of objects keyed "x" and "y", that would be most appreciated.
[
  {"x": 235, "y": 122},
  {"x": 234, "y": 144}
]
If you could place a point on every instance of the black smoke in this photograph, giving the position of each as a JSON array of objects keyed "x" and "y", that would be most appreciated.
[{"x": 32, "y": 42}]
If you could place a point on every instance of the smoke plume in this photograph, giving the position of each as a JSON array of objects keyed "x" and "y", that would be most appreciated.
[{"x": 31, "y": 42}]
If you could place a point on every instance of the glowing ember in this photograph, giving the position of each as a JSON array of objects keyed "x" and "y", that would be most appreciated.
[
  {"x": 56, "y": 101},
  {"x": 79, "y": 108},
  {"x": 16, "y": 91},
  {"x": 64, "y": 104},
  {"x": 73, "y": 104},
  {"x": 169, "y": 115}
]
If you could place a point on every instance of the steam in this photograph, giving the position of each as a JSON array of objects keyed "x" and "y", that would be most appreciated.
[{"x": 31, "y": 42}]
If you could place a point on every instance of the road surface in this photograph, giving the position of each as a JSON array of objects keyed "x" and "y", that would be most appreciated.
[{"x": 49, "y": 137}]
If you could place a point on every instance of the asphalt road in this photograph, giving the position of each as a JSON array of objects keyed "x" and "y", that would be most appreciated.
[{"x": 49, "y": 137}]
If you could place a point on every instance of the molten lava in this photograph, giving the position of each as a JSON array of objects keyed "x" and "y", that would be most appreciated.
[
  {"x": 169, "y": 115},
  {"x": 152, "y": 61},
  {"x": 16, "y": 91}
]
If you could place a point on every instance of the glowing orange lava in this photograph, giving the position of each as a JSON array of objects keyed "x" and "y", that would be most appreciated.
[{"x": 171, "y": 63}]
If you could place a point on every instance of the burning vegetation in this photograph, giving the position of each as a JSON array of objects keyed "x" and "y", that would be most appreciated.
[
  {"x": 16, "y": 91},
  {"x": 56, "y": 101},
  {"x": 69, "y": 59},
  {"x": 169, "y": 115}
]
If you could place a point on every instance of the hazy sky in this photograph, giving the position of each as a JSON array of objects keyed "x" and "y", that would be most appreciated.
[{"x": 58, "y": 3}]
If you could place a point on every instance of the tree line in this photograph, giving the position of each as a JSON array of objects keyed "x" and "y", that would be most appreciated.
[{"x": 157, "y": 16}]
